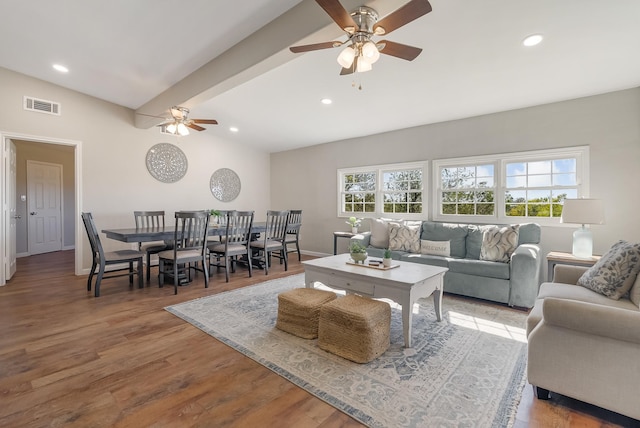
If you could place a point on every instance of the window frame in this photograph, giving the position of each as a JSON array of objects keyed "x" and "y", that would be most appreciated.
[
  {"x": 380, "y": 170},
  {"x": 500, "y": 161}
]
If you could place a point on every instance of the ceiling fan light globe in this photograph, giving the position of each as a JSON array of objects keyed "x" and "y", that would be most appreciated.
[
  {"x": 363, "y": 65},
  {"x": 182, "y": 129},
  {"x": 345, "y": 59},
  {"x": 370, "y": 52},
  {"x": 171, "y": 128}
]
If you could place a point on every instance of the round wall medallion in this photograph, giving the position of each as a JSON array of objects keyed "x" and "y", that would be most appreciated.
[
  {"x": 225, "y": 185},
  {"x": 166, "y": 163}
]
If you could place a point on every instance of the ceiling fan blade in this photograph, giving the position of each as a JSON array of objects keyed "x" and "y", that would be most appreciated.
[
  {"x": 194, "y": 126},
  {"x": 407, "y": 13},
  {"x": 339, "y": 14},
  {"x": 399, "y": 50},
  {"x": 209, "y": 121},
  {"x": 312, "y": 47}
]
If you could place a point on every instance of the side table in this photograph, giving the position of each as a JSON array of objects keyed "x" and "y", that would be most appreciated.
[
  {"x": 562, "y": 258},
  {"x": 337, "y": 235}
]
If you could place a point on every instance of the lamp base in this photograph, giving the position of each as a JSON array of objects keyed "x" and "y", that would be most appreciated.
[{"x": 582, "y": 243}]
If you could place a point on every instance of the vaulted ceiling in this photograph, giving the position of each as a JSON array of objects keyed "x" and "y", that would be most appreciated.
[{"x": 229, "y": 61}]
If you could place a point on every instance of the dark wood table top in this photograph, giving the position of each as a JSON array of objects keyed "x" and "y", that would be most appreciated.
[{"x": 148, "y": 234}]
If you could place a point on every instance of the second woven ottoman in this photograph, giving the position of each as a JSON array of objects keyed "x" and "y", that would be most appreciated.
[
  {"x": 355, "y": 328},
  {"x": 299, "y": 310}
]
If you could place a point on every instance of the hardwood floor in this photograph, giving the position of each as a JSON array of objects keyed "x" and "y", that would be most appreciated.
[{"x": 120, "y": 360}]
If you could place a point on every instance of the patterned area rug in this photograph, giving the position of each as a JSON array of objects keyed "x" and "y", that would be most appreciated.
[{"x": 466, "y": 371}]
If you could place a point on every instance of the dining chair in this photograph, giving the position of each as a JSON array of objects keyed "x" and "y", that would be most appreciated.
[
  {"x": 102, "y": 259},
  {"x": 294, "y": 223},
  {"x": 272, "y": 239},
  {"x": 151, "y": 220},
  {"x": 235, "y": 242},
  {"x": 190, "y": 246}
]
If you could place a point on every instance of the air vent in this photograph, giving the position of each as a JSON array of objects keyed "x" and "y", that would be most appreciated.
[{"x": 41, "y": 106}]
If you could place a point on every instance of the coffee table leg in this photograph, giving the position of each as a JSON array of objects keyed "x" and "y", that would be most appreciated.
[
  {"x": 407, "y": 316},
  {"x": 437, "y": 303}
]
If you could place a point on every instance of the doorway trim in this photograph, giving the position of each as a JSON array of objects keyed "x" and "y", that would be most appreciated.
[{"x": 4, "y": 137}]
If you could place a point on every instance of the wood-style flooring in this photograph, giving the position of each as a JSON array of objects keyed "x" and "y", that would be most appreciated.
[{"x": 70, "y": 359}]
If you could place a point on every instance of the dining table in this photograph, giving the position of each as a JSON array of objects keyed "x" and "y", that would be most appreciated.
[{"x": 166, "y": 233}]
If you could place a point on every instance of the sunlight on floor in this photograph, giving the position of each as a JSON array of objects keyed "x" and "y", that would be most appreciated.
[{"x": 486, "y": 326}]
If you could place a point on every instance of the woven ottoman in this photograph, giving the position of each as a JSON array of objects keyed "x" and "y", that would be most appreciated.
[
  {"x": 355, "y": 328},
  {"x": 299, "y": 310}
]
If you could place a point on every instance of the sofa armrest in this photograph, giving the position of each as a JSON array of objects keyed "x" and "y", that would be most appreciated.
[
  {"x": 593, "y": 319},
  {"x": 363, "y": 238},
  {"x": 525, "y": 275},
  {"x": 568, "y": 274}
]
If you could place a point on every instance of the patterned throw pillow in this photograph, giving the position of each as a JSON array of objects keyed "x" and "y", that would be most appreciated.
[
  {"x": 435, "y": 248},
  {"x": 634, "y": 293},
  {"x": 498, "y": 243},
  {"x": 404, "y": 237},
  {"x": 614, "y": 274}
]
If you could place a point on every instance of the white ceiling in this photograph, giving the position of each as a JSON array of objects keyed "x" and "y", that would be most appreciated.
[{"x": 473, "y": 63}]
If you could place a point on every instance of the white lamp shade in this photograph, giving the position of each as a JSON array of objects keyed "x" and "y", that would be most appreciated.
[
  {"x": 370, "y": 52},
  {"x": 363, "y": 65},
  {"x": 182, "y": 129},
  {"x": 583, "y": 211},
  {"x": 345, "y": 59},
  {"x": 171, "y": 128}
]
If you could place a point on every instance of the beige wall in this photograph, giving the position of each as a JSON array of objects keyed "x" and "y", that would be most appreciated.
[
  {"x": 114, "y": 179},
  {"x": 609, "y": 124}
]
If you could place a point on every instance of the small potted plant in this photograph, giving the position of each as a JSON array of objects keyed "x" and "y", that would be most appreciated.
[
  {"x": 386, "y": 258},
  {"x": 358, "y": 252},
  {"x": 354, "y": 223},
  {"x": 215, "y": 217}
]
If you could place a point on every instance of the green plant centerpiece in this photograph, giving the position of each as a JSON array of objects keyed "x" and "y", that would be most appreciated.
[
  {"x": 354, "y": 223},
  {"x": 215, "y": 214},
  {"x": 358, "y": 252}
]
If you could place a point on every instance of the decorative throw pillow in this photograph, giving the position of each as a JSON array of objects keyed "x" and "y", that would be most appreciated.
[
  {"x": 614, "y": 274},
  {"x": 498, "y": 243},
  {"x": 404, "y": 238},
  {"x": 379, "y": 228},
  {"x": 435, "y": 248}
]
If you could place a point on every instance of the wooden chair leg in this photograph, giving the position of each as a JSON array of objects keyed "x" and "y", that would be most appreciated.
[
  {"x": 93, "y": 272},
  {"x": 161, "y": 273},
  {"x": 140, "y": 274},
  {"x": 148, "y": 267}
]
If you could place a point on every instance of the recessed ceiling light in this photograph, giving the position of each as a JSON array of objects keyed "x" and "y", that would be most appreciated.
[
  {"x": 233, "y": 129},
  {"x": 532, "y": 40},
  {"x": 61, "y": 68},
  {"x": 326, "y": 101}
]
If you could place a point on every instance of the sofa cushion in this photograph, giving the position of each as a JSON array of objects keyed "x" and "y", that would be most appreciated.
[
  {"x": 474, "y": 240},
  {"x": 404, "y": 237},
  {"x": 614, "y": 274},
  {"x": 426, "y": 259},
  {"x": 529, "y": 233},
  {"x": 379, "y": 228},
  {"x": 480, "y": 268},
  {"x": 634, "y": 293},
  {"x": 455, "y": 233},
  {"x": 499, "y": 242},
  {"x": 435, "y": 248}
]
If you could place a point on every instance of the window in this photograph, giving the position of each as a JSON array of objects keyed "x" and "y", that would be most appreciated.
[
  {"x": 501, "y": 187},
  {"x": 387, "y": 190}
]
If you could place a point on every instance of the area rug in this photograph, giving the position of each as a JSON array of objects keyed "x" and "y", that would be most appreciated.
[{"x": 465, "y": 371}]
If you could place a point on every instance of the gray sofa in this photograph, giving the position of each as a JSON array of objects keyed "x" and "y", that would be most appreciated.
[
  {"x": 585, "y": 345},
  {"x": 515, "y": 283}
]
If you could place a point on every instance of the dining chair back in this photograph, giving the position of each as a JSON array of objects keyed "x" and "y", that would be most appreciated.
[
  {"x": 235, "y": 242},
  {"x": 101, "y": 259},
  {"x": 273, "y": 239},
  {"x": 151, "y": 220},
  {"x": 190, "y": 246}
]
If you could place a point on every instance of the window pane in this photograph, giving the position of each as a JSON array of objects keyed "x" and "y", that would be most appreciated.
[
  {"x": 520, "y": 181},
  {"x": 539, "y": 180},
  {"x": 516, "y": 169},
  {"x": 541, "y": 167}
]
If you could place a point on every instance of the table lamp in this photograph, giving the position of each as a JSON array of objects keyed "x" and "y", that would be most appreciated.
[{"x": 582, "y": 211}]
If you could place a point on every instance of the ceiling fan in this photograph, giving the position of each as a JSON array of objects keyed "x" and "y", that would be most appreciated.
[
  {"x": 361, "y": 25},
  {"x": 179, "y": 122}
]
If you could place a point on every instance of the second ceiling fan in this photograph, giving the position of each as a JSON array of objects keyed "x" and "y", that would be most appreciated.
[
  {"x": 361, "y": 25},
  {"x": 180, "y": 122}
]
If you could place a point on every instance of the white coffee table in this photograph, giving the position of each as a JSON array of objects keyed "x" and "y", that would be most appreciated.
[{"x": 404, "y": 284}]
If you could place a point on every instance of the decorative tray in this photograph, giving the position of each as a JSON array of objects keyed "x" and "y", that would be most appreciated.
[{"x": 372, "y": 266}]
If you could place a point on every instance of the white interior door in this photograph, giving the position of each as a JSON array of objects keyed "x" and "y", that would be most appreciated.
[
  {"x": 13, "y": 217},
  {"x": 44, "y": 207}
]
